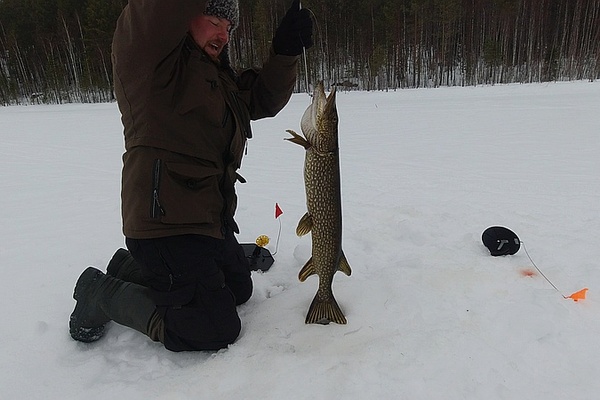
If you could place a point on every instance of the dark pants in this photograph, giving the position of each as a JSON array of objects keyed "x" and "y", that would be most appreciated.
[{"x": 196, "y": 282}]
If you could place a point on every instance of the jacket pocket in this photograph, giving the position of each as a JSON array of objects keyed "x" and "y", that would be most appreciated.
[{"x": 186, "y": 193}]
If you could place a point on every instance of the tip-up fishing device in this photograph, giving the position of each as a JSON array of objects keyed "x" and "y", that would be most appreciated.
[{"x": 501, "y": 241}]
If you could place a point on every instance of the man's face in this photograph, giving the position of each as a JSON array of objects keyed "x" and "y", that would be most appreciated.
[{"x": 210, "y": 33}]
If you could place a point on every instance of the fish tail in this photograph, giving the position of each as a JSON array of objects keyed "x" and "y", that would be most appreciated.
[{"x": 325, "y": 311}]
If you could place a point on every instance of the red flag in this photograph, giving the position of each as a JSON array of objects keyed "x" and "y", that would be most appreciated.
[{"x": 278, "y": 211}]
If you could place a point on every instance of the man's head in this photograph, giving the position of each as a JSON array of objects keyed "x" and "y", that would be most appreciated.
[{"x": 211, "y": 29}]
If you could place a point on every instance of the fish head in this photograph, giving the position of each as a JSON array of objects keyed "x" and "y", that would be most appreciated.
[{"x": 320, "y": 121}]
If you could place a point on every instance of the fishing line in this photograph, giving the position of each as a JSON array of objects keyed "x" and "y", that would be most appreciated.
[
  {"x": 305, "y": 58},
  {"x": 305, "y": 70},
  {"x": 540, "y": 271}
]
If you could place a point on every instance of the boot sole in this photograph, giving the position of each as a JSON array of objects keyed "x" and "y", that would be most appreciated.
[{"x": 79, "y": 328}]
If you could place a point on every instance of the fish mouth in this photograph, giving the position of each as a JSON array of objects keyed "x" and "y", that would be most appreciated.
[
  {"x": 317, "y": 107},
  {"x": 321, "y": 107},
  {"x": 318, "y": 103}
]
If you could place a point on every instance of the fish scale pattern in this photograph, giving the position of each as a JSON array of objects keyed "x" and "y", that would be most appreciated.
[{"x": 322, "y": 182}]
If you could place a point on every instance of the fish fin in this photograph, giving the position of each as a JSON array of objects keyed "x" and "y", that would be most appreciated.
[
  {"x": 304, "y": 225},
  {"x": 325, "y": 311},
  {"x": 307, "y": 270},
  {"x": 298, "y": 139},
  {"x": 344, "y": 266}
]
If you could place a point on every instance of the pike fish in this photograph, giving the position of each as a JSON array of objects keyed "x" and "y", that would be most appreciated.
[{"x": 324, "y": 203}]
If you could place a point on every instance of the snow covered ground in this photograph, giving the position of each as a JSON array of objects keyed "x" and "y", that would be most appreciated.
[{"x": 431, "y": 315}]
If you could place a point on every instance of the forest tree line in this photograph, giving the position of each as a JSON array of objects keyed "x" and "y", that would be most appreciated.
[{"x": 57, "y": 51}]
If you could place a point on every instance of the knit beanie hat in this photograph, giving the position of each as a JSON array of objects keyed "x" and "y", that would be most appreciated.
[{"x": 227, "y": 9}]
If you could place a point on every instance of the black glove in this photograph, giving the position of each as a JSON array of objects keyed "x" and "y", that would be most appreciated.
[{"x": 294, "y": 31}]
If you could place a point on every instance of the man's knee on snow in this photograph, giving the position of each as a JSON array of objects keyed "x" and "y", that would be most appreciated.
[{"x": 193, "y": 329}]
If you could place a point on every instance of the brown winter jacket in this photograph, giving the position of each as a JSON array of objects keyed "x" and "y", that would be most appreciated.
[{"x": 186, "y": 121}]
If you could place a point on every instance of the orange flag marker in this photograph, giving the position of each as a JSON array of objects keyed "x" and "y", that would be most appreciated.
[{"x": 578, "y": 295}]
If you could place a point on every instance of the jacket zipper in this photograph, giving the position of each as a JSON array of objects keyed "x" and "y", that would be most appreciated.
[
  {"x": 157, "y": 209},
  {"x": 246, "y": 130}
]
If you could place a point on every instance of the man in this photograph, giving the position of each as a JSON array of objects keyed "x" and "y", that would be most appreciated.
[{"x": 186, "y": 117}]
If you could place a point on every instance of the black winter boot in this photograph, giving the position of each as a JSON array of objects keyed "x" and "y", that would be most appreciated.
[
  {"x": 123, "y": 266},
  {"x": 101, "y": 298},
  {"x": 87, "y": 320}
]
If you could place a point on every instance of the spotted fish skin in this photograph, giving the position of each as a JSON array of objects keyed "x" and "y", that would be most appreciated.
[{"x": 324, "y": 203}]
